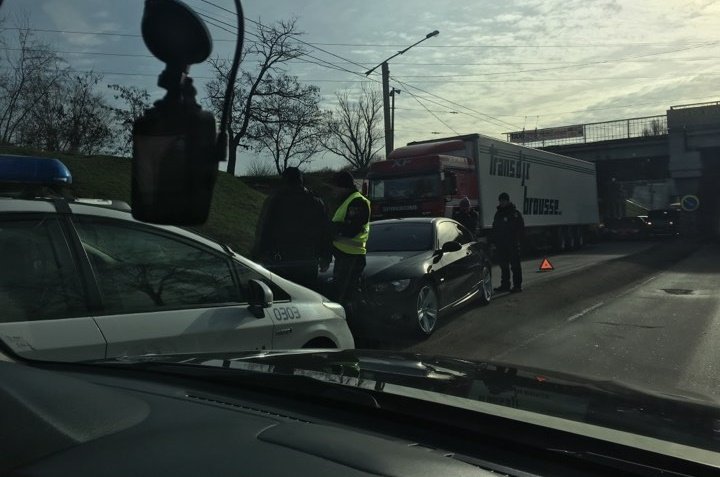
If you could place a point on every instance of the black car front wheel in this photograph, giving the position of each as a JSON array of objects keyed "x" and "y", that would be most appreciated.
[
  {"x": 486, "y": 285},
  {"x": 427, "y": 308}
]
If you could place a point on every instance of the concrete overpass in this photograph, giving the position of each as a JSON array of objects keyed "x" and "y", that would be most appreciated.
[{"x": 652, "y": 160}]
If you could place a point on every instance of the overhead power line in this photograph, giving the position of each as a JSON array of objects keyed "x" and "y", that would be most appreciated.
[
  {"x": 325, "y": 64},
  {"x": 564, "y": 45},
  {"x": 577, "y": 65},
  {"x": 433, "y": 114},
  {"x": 527, "y": 45},
  {"x": 518, "y": 63},
  {"x": 318, "y": 61},
  {"x": 487, "y": 117},
  {"x": 456, "y": 104},
  {"x": 296, "y": 39},
  {"x": 562, "y": 80}
]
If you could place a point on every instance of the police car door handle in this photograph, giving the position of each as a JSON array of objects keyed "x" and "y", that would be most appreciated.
[{"x": 283, "y": 331}]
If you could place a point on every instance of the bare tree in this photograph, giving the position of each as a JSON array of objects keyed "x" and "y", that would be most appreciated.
[
  {"x": 134, "y": 102},
  {"x": 259, "y": 168},
  {"x": 30, "y": 73},
  {"x": 354, "y": 130},
  {"x": 73, "y": 117},
  {"x": 275, "y": 45},
  {"x": 656, "y": 128},
  {"x": 288, "y": 126}
]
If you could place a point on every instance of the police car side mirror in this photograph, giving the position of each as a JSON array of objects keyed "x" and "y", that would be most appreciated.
[{"x": 260, "y": 296}]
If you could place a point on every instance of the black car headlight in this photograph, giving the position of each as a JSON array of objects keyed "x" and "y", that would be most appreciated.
[{"x": 394, "y": 285}]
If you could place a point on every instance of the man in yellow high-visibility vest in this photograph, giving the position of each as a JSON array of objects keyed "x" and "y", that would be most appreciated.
[{"x": 351, "y": 229}]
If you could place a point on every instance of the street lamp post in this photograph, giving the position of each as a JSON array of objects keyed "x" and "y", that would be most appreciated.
[{"x": 389, "y": 124}]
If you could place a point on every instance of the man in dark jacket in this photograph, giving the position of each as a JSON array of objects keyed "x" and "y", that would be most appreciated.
[
  {"x": 466, "y": 215},
  {"x": 351, "y": 229},
  {"x": 508, "y": 231},
  {"x": 294, "y": 232}
]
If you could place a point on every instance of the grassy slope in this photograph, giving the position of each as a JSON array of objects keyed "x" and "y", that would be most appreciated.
[{"x": 234, "y": 211}]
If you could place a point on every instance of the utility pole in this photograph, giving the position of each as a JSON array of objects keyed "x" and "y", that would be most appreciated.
[
  {"x": 393, "y": 92},
  {"x": 389, "y": 132},
  {"x": 389, "y": 124}
]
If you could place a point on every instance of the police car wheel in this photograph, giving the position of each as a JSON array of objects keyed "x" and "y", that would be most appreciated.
[
  {"x": 320, "y": 343},
  {"x": 426, "y": 309},
  {"x": 486, "y": 286}
]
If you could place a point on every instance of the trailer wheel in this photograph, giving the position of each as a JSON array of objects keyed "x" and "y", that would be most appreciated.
[
  {"x": 571, "y": 238},
  {"x": 580, "y": 240},
  {"x": 560, "y": 240}
]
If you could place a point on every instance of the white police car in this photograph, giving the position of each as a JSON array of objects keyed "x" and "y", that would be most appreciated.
[{"x": 83, "y": 280}]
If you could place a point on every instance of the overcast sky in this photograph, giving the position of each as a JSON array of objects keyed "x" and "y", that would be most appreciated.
[{"x": 495, "y": 67}]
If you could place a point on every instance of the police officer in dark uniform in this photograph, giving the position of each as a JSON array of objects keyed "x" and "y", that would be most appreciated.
[
  {"x": 294, "y": 237},
  {"x": 508, "y": 231}
]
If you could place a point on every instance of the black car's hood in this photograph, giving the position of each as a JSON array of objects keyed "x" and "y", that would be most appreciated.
[
  {"x": 391, "y": 265},
  {"x": 689, "y": 419}
]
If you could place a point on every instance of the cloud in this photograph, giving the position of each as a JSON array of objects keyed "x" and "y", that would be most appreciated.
[{"x": 68, "y": 16}]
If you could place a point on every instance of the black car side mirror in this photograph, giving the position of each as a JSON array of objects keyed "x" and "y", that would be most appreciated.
[
  {"x": 451, "y": 246},
  {"x": 260, "y": 296}
]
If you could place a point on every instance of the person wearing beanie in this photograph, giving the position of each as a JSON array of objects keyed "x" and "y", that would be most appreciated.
[
  {"x": 294, "y": 236},
  {"x": 507, "y": 234},
  {"x": 466, "y": 215}
]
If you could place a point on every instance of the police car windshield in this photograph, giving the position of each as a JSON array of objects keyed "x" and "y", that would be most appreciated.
[
  {"x": 400, "y": 237},
  {"x": 414, "y": 187}
]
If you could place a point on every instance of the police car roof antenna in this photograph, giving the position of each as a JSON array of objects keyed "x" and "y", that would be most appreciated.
[{"x": 175, "y": 148}]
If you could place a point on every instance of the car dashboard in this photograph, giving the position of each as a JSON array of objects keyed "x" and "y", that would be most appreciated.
[{"x": 97, "y": 421}]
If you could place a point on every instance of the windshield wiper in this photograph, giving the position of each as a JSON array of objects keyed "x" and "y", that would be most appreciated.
[{"x": 306, "y": 383}]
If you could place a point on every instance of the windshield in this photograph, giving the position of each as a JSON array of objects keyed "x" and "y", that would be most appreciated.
[
  {"x": 406, "y": 237},
  {"x": 418, "y": 187},
  {"x": 659, "y": 215},
  {"x": 631, "y": 221},
  {"x": 557, "y": 125}
]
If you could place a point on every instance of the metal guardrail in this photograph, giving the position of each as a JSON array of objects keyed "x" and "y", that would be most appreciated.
[{"x": 611, "y": 130}]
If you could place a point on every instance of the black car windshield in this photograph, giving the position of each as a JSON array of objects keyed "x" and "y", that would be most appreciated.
[
  {"x": 400, "y": 237},
  {"x": 424, "y": 186}
]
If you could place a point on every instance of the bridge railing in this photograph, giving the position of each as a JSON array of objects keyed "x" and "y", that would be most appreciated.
[
  {"x": 608, "y": 131},
  {"x": 696, "y": 105}
]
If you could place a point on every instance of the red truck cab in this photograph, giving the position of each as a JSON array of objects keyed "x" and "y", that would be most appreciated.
[{"x": 421, "y": 180}]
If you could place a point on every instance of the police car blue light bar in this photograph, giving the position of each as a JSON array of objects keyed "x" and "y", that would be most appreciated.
[{"x": 33, "y": 170}]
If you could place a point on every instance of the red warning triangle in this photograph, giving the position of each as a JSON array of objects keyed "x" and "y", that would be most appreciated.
[{"x": 546, "y": 265}]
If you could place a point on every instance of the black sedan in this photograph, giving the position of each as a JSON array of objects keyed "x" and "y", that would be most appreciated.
[
  {"x": 417, "y": 269},
  {"x": 628, "y": 228}
]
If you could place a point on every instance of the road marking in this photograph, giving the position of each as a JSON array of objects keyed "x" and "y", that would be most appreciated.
[
  {"x": 639, "y": 285},
  {"x": 585, "y": 311},
  {"x": 598, "y": 305}
]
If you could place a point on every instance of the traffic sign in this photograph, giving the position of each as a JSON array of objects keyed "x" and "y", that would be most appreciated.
[
  {"x": 690, "y": 203},
  {"x": 546, "y": 266}
]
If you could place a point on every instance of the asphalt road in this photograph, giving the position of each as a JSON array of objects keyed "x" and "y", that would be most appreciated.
[{"x": 645, "y": 314}]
